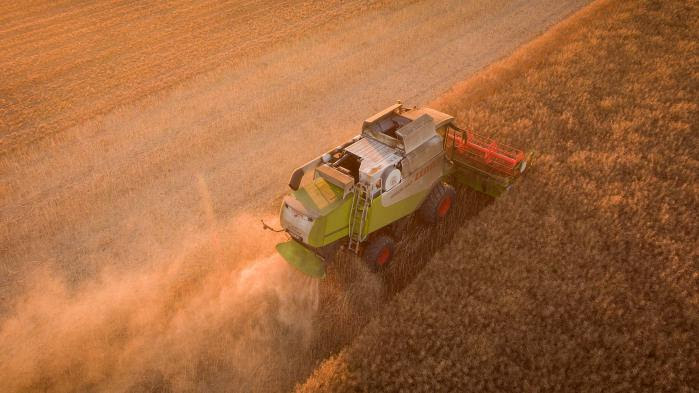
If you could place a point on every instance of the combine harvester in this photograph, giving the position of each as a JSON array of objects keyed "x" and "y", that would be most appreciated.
[{"x": 363, "y": 193}]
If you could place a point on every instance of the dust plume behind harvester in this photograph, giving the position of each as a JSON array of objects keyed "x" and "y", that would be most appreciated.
[{"x": 362, "y": 194}]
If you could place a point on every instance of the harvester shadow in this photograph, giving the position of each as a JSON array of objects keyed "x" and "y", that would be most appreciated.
[
  {"x": 424, "y": 242},
  {"x": 351, "y": 294}
]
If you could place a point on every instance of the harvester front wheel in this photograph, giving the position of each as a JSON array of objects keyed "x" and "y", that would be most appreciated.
[
  {"x": 379, "y": 252},
  {"x": 438, "y": 204}
]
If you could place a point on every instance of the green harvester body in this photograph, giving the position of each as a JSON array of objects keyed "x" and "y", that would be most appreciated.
[{"x": 364, "y": 186}]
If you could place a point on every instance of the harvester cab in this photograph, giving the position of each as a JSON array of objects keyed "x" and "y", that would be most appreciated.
[{"x": 359, "y": 195}]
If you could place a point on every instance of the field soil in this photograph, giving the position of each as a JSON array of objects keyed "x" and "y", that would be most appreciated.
[
  {"x": 140, "y": 143},
  {"x": 585, "y": 276}
]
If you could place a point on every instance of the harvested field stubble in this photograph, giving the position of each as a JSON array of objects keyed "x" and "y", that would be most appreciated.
[
  {"x": 585, "y": 276},
  {"x": 63, "y": 64}
]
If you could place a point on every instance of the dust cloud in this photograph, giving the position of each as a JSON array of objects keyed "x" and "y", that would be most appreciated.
[{"x": 229, "y": 315}]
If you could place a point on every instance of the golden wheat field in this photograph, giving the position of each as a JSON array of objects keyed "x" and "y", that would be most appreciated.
[
  {"x": 584, "y": 277},
  {"x": 142, "y": 141}
]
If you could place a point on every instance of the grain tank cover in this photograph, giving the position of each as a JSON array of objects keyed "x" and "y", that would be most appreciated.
[
  {"x": 369, "y": 149},
  {"x": 416, "y": 133},
  {"x": 375, "y": 157}
]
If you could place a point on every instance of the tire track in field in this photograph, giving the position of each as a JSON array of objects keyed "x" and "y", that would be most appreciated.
[
  {"x": 27, "y": 33},
  {"x": 21, "y": 12},
  {"x": 51, "y": 38}
]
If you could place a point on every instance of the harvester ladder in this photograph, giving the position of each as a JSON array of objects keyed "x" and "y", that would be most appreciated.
[{"x": 358, "y": 215}]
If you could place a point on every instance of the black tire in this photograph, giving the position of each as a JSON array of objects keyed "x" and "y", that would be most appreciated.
[
  {"x": 438, "y": 204},
  {"x": 379, "y": 253}
]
